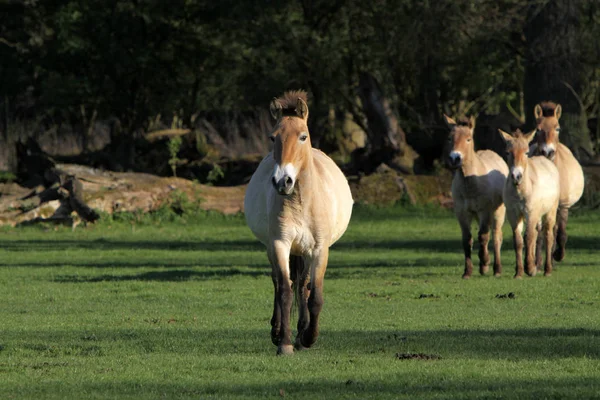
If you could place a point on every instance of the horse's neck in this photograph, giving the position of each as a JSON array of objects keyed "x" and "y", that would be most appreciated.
[
  {"x": 563, "y": 154},
  {"x": 305, "y": 186},
  {"x": 472, "y": 165},
  {"x": 529, "y": 179}
]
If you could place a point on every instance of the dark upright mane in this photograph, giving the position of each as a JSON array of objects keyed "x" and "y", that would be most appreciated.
[
  {"x": 548, "y": 108},
  {"x": 289, "y": 101},
  {"x": 463, "y": 121}
]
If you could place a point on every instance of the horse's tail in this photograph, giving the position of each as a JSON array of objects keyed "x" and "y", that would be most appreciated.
[{"x": 296, "y": 269}]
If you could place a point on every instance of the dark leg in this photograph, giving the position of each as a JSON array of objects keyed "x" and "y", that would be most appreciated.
[
  {"x": 518, "y": 245},
  {"x": 276, "y": 319},
  {"x": 301, "y": 279},
  {"x": 467, "y": 242},
  {"x": 548, "y": 231},
  {"x": 283, "y": 297},
  {"x": 483, "y": 238},
  {"x": 497, "y": 222},
  {"x": 561, "y": 234},
  {"x": 530, "y": 243},
  {"x": 315, "y": 300},
  {"x": 539, "y": 247}
]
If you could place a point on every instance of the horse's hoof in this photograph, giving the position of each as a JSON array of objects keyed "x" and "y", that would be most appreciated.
[
  {"x": 275, "y": 339},
  {"x": 466, "y": 276},
  {"x": 497, "y": 274},
  {"x": 547, "y": 273},
  {"x": 517, "y": 276},
  {"x": 298, "y": 344},
  {"x": 484, "y": 269},
  {"x": 558, "y": 255},
  {"x": 532, "y": 272},
  {"x": 285, "y": 350}
]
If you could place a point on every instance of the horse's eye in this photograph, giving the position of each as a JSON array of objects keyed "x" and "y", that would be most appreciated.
[
  {"x": 303, "y": 138},
  {"x": 272, "y": 138},
  {"x": 469, "y": 140}
]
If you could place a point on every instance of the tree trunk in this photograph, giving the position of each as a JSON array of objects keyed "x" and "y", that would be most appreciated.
[
  {"x": 386, "y": 139},
  {"x": 554, "y": 71}
]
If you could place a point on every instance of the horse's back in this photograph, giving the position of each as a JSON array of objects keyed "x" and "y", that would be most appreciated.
[
  {"x": 571, "y": 176},
  {"x": 493, "y": 161}
]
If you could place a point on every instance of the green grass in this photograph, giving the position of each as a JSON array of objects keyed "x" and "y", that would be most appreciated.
[{"x": 182, "y": 310}]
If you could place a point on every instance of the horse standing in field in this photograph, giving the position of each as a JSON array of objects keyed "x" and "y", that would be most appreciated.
[
  {"x": 298, "y": 203},
  {"x": 531, "y": 196},
  {"x": 477, "y": 192},
  {"x": 571, "y": 174}
]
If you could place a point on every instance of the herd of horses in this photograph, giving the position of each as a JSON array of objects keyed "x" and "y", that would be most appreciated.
[{"x": 298, "y": 203}]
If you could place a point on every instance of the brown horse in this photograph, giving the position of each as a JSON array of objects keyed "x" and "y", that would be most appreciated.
[
  {"x": 298, "y": 203},
  {"x": 477, "y": 193},
  {"x": 531, "y": 196},
  {"x": 572, "y": 181}
]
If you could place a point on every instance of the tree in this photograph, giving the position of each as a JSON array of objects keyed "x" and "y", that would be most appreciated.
[{"x": 554, "y": 69}]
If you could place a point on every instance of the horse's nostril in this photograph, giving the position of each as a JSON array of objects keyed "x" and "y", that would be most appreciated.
[{"x": 288, "y": 181}]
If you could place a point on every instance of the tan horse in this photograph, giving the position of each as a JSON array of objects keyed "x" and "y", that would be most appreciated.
[
  {"x": 531, "y": 196},
  {"x": 571, "y": 173},
  {"x": 298, "y": 203},
  {"x": 477, "y": 193}
]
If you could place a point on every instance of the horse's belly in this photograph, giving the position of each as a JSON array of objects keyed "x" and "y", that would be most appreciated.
[
  {"x": 255, "y": 200},
  {"x": 571, "y": 189}
]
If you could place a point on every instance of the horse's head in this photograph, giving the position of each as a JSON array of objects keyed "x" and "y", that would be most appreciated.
[
  {"x": 460, "y": 141},
  {"x": 548, "y": 128},
  {"x": 517, "y": 151},
  {"x": 291, "y": 141}
]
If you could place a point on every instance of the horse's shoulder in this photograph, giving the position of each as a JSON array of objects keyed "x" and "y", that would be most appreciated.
[
  {"x": 492, "y": 160},
  {"x": 543, "y": 165}
]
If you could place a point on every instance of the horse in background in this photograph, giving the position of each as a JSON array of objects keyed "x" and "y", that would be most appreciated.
[
  {"x": 531, "y": 196},
  {"x": 477, "y": 193},
  {"x": 570, "y": 172},
  {"x": 298, "y": 203}
]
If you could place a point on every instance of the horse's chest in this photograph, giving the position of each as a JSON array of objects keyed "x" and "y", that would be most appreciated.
[
  {"x": 474, "y": 199},
  {"x": 302, "y": 243}
]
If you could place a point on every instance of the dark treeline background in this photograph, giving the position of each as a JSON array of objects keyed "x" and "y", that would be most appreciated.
[{"x": 88, "y": 79}]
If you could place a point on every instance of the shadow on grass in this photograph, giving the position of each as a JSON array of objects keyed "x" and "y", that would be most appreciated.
[
  {"x": 441, "y": 253},
  {"x": 449, "y": 344},
  {"x": 171, "y": 275},
  {"x": 215, "y": 347},
  {"x": 433, "y": 245},
  {"x": 389, "y": 386}
]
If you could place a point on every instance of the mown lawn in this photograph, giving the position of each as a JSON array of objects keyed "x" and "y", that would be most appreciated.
[{"x": 182, "y": 309}]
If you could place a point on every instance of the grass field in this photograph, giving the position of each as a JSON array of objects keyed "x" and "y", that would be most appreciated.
[{"x": 182, "y": 309}]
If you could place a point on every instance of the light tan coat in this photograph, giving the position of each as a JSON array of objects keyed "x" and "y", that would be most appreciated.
[
  {"x": 298, "y": 203},
  {"x": 531, "y": 195},
  {"x": 571, "y": 174},
  {"x": 477, "y": 193}
]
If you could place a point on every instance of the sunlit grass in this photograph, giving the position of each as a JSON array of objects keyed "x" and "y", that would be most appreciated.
[{"x": 182, "y": 311}]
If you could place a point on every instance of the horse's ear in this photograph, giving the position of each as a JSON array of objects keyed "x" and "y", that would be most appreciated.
[
  {"x": 506, "y": 136},
  {"x": 558, "y": 111},
  {"x": 472, "y": 123},
  {"x": 276, "y": 109},
  {"x": 302, "y": 109},
  {"x": 529, "y": 136},
  {"x": 537, "y": 111},
  {"x": 450, "y": 123}
]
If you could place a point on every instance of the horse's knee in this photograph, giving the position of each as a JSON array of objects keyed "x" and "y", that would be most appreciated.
[{"x": 315, "y": 302}]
